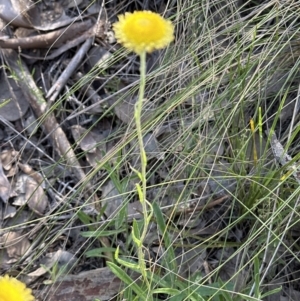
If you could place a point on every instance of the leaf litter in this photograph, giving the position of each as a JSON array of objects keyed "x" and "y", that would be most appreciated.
[{"x": 71, "y": 107}]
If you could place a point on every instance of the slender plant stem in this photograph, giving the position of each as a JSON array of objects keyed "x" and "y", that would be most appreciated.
[
  {"x": 142, "y": 189},
  {"x": 138, "y": 117}
]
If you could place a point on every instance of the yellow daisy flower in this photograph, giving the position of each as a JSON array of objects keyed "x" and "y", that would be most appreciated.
[
  {"x": 12, "y": 289},
  {"x": 143, "y": 31}
]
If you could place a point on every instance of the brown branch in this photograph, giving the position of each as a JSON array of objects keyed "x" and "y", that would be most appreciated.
[
  {"x": 54, "y": 39},
  {"x": 63, "y": 48},
  {"x": 72, "y": 66}
]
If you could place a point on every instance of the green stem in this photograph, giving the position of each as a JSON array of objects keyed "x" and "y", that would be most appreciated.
[
  {"x": 138, "y": 117},
  {"x": 143, "y": 188}
]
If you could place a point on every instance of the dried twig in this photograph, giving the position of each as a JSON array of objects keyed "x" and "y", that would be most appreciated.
[
  {"x": 63, "y": 48},
  {"x": 54, "y": 39},
  {"x": 62, "y": 80}
]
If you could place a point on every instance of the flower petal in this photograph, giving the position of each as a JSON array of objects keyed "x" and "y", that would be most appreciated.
[
  {"x": 143, "y": 31},
  {"x": 12, "y": 289}
]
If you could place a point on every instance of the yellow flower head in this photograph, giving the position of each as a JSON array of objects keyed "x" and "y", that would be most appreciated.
[
  {"x": 12, "y": 289},
  {"x": 143, "y": 31}
]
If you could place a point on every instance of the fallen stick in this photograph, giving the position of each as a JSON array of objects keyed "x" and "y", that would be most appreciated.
[
  {"x": 52, "y": 39},
  {"x": 67, "y": 73}
]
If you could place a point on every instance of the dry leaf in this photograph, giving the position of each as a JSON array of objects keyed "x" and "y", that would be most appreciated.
[
  {"x": 124, "y": 109},
  {"x": 5, "y": 188},
  {"x": 20, "y": 183},
  {"x": 8, "y": 157},
  {"x": 19, "y": 219},
  {"x": 5, "y": 260},
  {"x": 9, "y": 211},
  {"x": 37, "y": 15},
  {"x": 37, "y": 201},
  {"x": 15, "y": 244},
  {"x": 30, "y": 193},
  {"x": 111, "y": 198},
  {"x": 63, "y": 259},
  {"x": 17, "y": 105},
  {"x": 84, "y": 138},
  {"x": 20, "y": 200},
  {"x": 11, "y": 12},
  {"x": 98, "y": 57},
  {"x": 94, "y": 158},
  {"x": 90, "y": 142}
]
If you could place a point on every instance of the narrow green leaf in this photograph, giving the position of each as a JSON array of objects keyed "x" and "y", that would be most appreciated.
[
  {"x": 128, "y": 264},
  {"x": 274, "y": 291},
  {"x": 84, "y": 218},
  {"x": 136, "y": 234},
  {"x": 98, "y": 252},
  {"x": 166, "y": 290},
  {"x": 101, "y": 233},
  {"x": 123, "y": 276}
]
